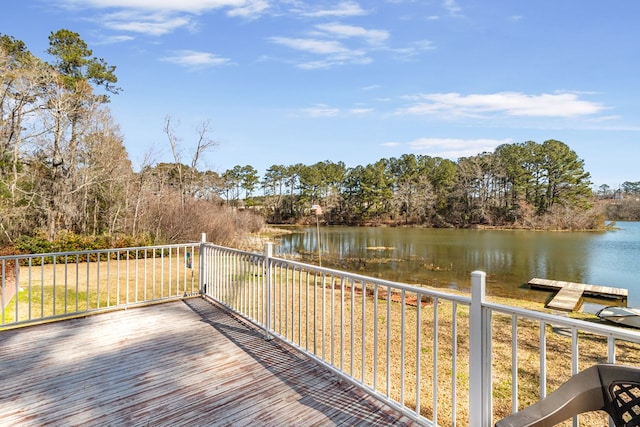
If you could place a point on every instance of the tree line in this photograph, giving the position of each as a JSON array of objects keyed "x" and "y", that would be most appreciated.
[
  {"x": 523, "y": 185},
  {"x": 622, "y": 203},
  {"x": 64, "y": 169},
  {"x": 527, "y": 185}
]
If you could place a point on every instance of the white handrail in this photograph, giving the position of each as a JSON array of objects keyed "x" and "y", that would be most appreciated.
[
  {"x": 437, "y": 368},
  {"x": 319, "y": 301}
]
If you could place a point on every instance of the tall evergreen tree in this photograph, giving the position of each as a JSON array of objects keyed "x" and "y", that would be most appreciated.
[{"x": 567, "y": 183}]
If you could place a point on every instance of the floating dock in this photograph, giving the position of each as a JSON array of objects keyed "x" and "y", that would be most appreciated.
[{"x": 569, "y": 296}]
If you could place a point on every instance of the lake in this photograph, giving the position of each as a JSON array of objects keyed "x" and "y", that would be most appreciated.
[{"x": 444, "y": 258}]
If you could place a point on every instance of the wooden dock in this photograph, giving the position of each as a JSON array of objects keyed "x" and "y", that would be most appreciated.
[{"x": 569, "y": 296}]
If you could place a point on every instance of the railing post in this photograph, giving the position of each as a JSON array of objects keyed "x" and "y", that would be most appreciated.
[
  {"x": 268, "y": 253},
  {"x": 201, "y": 265},
  {"x": 479, "y": 359}
]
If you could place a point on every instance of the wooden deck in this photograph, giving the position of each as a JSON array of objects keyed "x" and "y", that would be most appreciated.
[
  {"x": 569, "y": 296},
  {"x": 186, "y": 363}
]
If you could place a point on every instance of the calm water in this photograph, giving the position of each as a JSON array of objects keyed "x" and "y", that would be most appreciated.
[{"x": 445, "y": 257}]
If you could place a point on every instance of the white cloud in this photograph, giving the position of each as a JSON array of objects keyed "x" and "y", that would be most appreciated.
[
  {"x": 321, "y": 47},
  {"x": 322, "y": 110},
  {"x": 451, "y": 148},
  {"x": 155, "y": 24},
  {"x": 342, "y": 9},
  {"x": 327, "y": 40},
  {"x": 315, "y": 65},
  {"x": 328, "y": 63},
  {"x": 191, "y": 58},
  {"x": 509, "y": 103},
  {"x": 360, "y": 111},
  {"x": 159, "y": 17},
  {"x": 344, "y": 43},
  {"x": 189, "y": 6},
  {"x": 452, "y": 7},
  {"x": 252, "y": 9},
  {"x": 333, "y": 51},
  {"x": 113, "y": 40},
  {"x": 413, "y": 49},
  {"x": 342, "y": 30}
]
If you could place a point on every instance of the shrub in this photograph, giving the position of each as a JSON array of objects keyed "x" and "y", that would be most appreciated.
[{"x": 36, "y": 244}]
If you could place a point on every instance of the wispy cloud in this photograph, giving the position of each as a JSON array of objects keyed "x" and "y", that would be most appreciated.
[
  {"x": 320, "y": 47},
  {"x": 336, "y": 43},
  {"x": 113, "y": 39},
  {"x": 360, "y": 111},
  {"x": 160, "y": 17},
  {"x": 332, "y": 42},
  {"x": 250, "y": 10},
  {"x": 451, "y": 148},
  {"x": 333, "y": 51},
  {"x": 413, "y": 49},
  {"x": 321, "y": 110},
  {"x": 194, "y": 59},
  {"x": 347, "y": 31},
  {"x": 509, "y": 103},
  {"x": 154, "y": 24},
  {"x": 452, "y": 7},
  {"x": 189, "y": 6},
  {"x": 340, "y": 10}
]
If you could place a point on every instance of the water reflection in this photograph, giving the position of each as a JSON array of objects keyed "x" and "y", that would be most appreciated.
[{"x": 445, "y": 257}]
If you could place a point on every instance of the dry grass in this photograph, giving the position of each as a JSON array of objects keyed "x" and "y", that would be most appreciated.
[
  {"x": 415, "y": 340},
  {"x": 53, "y": 290},
  {"x": 413, "y": 347}
]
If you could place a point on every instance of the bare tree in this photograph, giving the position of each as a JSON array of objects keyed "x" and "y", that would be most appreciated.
[
  {"x": 22, "y": 79},
  {"x": 187, "y": 174},
  {"x": 105, "y": 177}
]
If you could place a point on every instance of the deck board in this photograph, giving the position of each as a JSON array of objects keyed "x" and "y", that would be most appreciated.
[{"x": 183, "y": 363}]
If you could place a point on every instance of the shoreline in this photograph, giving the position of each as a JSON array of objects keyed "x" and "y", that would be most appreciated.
[{"x": 257, "y": 241}]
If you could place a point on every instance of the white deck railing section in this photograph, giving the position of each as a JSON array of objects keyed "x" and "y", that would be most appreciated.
[
  {"x": 458, "y": 360},
  {"x": 49, "y": 286},
  {"x": 442, "y": 359}
]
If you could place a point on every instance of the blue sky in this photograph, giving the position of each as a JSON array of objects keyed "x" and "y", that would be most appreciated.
[{"x": 290, "y": 81}]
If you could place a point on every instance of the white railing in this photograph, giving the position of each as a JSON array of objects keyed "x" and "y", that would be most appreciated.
[
  {"x": 50, "y": 286},
  {"x": 458, "y": 360}
]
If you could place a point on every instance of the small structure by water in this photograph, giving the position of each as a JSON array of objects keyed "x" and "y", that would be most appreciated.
[{"x": 569, "y": 296}]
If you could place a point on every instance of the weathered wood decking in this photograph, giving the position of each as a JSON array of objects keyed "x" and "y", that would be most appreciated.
[
  {"x": 570, "y": 294},
  {"x": 183, "y": 363}
]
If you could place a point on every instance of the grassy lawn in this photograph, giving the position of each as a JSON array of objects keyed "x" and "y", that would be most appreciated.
[{"x": 75, "y": 286}]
